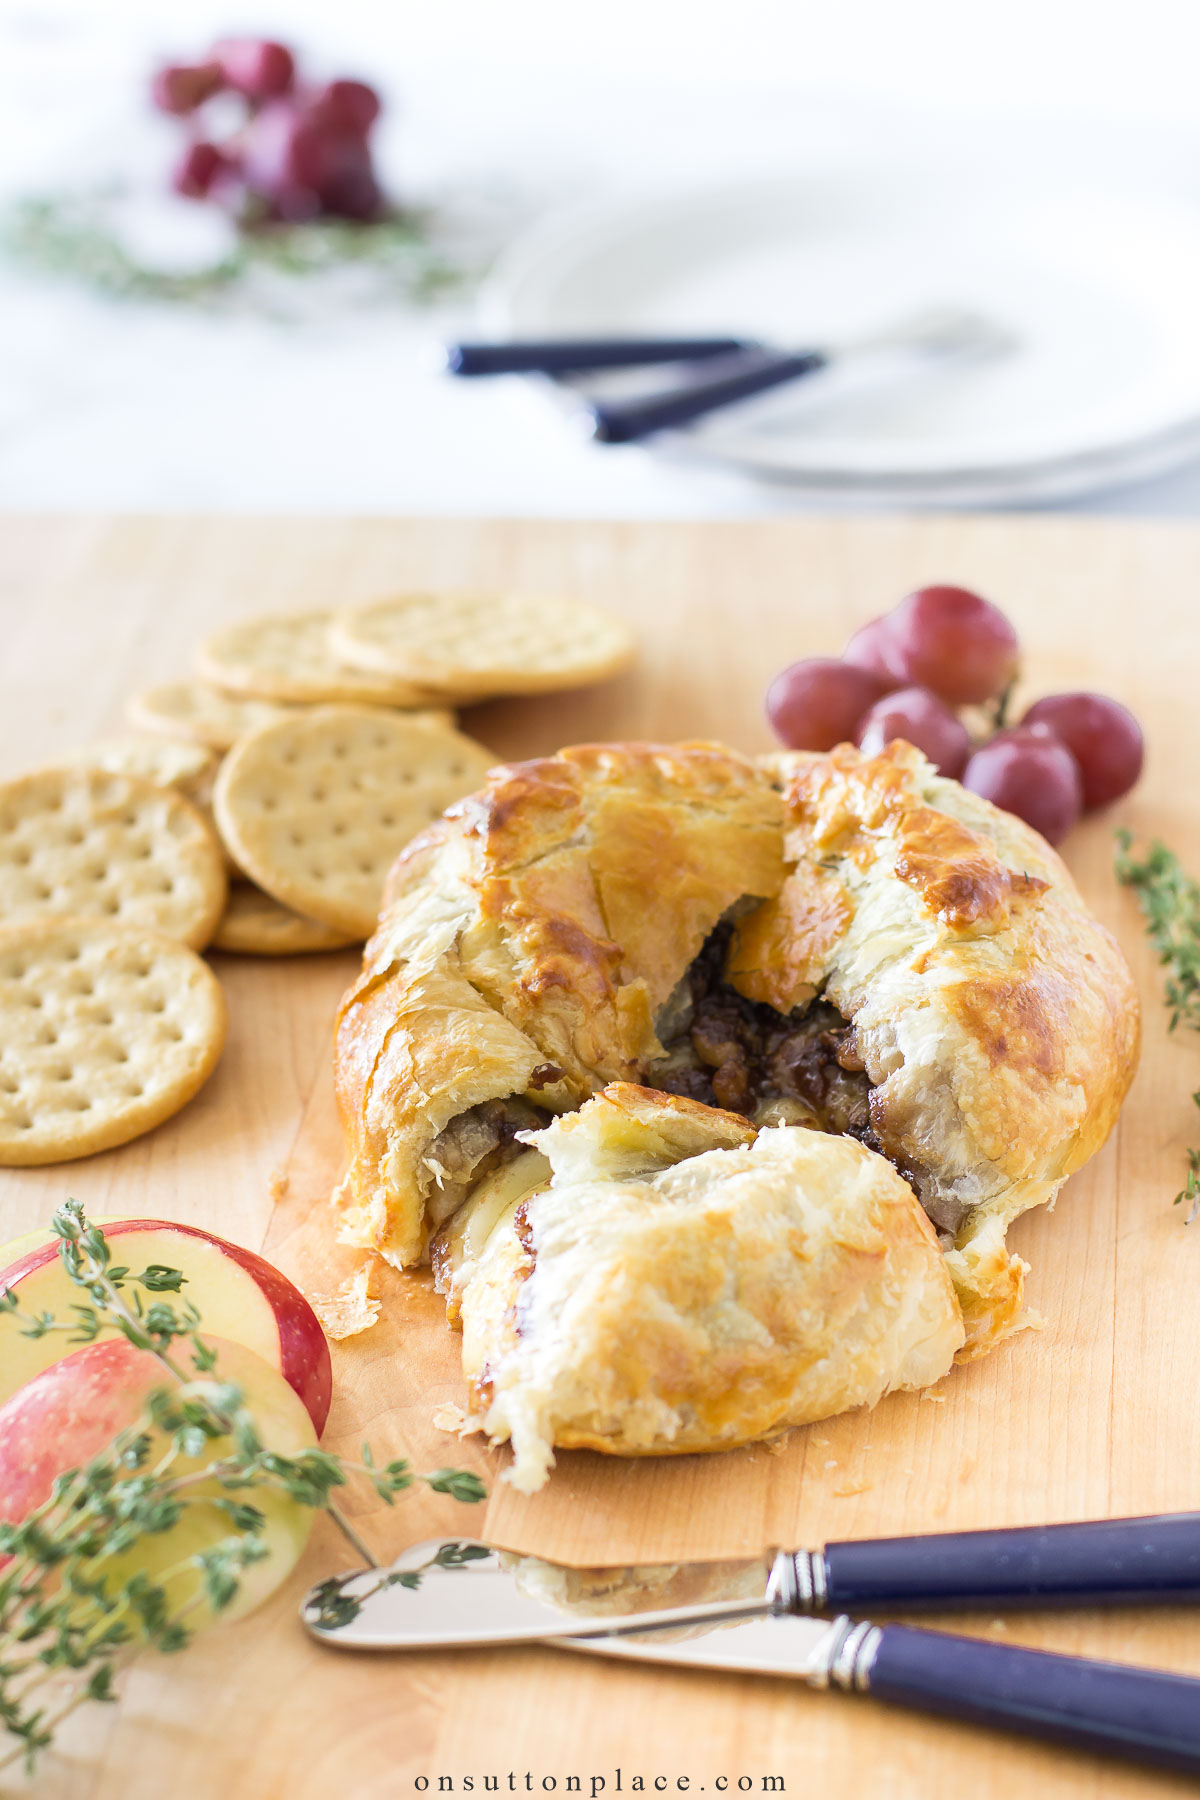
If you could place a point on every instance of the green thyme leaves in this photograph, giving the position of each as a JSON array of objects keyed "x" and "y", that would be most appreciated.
[
  {"x": 81, "y": 1590},
  {"x": 1170, "y": 901}
]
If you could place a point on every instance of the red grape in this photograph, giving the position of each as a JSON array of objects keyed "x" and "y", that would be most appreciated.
[
  {"x": 1028, "y": 772},
  {"x": 180, "y": 88},
  {"x": 867, "y": 649},
  {"x": 269, "y": 153},
  {"x": 302, "y": 165},
  {"x": 950, "y": 640},
  {"x": 352, "y": 191},
  {"x": 256, "y": 67},
  {"x": 816, "y": 704},
  {"x": 198, "y": 168},
  {"x": 924, "y": 720},
  {"x": 1102, "y": 735},
  {"x": 350, "y": 105}
]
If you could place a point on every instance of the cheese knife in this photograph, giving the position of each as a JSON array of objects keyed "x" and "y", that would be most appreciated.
[{"x": 458, "y": 1591}]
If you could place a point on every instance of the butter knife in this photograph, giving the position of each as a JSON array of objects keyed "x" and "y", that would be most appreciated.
[
  {"x": 455, "y": 1592},
  {"x": 728, "y": 369},
  {"x": 460, "y": 1591},
  {"x": 1145, "y": 1715}
]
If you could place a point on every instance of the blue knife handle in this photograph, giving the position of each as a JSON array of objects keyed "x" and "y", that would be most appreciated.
[
  {"x": 627, "y": 421},
  {"x": 568, "y": 356},
  {"x": 1104, "y": 1562},
  {"x": 1118, "y": 1710}
]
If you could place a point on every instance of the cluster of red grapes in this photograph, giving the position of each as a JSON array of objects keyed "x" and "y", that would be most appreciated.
[
  {"x": 904, "y": 676},
  {"x": 300, "y": 151}
]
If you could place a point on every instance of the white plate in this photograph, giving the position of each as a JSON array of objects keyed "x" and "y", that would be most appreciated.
[{"x": 1101, "y": 292}]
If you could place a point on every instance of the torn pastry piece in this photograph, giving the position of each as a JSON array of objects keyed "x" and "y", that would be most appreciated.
[
  {"x": 677, "y": 1281},
  {"x": 351, "y": 1309}
]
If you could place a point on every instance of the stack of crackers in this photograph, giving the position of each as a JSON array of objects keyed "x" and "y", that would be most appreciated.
[{"x": 256, "y": 809}]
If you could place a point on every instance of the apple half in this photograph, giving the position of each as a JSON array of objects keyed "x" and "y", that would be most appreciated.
[{"x": 238, "y": 1294}]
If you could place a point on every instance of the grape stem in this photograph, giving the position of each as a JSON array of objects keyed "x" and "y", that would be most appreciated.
[{"x": 1000, "y": 717}]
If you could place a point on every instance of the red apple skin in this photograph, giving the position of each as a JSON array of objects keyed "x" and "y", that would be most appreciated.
[
  {"x": 68, "y": 1414},
  {"x": 73, "y": 1410},
  {"x": 301, "y": 1353}
]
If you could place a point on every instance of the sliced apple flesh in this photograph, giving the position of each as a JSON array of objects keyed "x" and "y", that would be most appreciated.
[
  {"x": 238, "y": 1294},
  {"x": 72, "y": 1410}
]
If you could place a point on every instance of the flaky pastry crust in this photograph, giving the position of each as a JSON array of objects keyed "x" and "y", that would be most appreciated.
[
  {"x": 692, "y": 1284},
  {"x": 996, "y": 1018},
  {"x": 526, "y": 943},
  {"x": 532, "y": 946}
]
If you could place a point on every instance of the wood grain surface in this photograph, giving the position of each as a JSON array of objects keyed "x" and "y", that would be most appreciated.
[{"x": 1096, "y": 1413}]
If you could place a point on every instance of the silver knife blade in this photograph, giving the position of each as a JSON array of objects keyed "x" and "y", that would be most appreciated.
[
  {"x": 457, "y": 1591},
  {"x": 805, "y": 1649}
]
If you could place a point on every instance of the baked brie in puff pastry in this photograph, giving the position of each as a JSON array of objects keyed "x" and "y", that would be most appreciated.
[{"x": 711, "y": 1087}]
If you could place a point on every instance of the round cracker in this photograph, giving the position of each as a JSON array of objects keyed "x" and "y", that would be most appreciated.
[
  {"x": 165, "y": 761},
  {"x": 83, "y": 843},
  {"x": 105, "y": 1031},
  {"x": 287, "y": 656},
  {"x": 317, "y": 808},
  {"x": 255, "y": 924},
  {"x": 201, "y": 795},
  {"x": 474, "y": 645},
  {"x": 196, "y": 710}
]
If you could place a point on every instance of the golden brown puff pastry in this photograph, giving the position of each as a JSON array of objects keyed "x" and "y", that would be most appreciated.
[
  {"x": 685, "y": 1283},
  {"x": 838, "y": 942},
  {"x": 526, "y": 944},
  {"x": 996, "y": 1019}
]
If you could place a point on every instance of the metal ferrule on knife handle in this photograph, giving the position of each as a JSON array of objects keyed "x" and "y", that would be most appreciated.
[
  {"x": 797, "y": 1582},
  {"x": 848, "y": 1657},
  {"x": 797, "y": 1586}
]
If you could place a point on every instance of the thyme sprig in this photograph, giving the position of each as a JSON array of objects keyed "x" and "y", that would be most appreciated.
[
  {"x": 71, "y": 1615},
  {"x": 1170, "y": 901},
  {"x": 74, "y": 235},
  {"x": 330, "y": 1607},
  {"x": 1189, "y": 1194}
]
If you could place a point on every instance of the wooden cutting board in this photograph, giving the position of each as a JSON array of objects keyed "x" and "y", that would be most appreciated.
[{"x": 1095, "y": 1413}]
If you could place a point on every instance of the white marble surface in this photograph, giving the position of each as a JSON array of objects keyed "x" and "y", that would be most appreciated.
[{"x": 113, "y": 405}]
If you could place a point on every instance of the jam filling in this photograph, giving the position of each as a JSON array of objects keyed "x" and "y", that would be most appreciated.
[
  {"x": 801, "y": 1068},
  {"x": 739, "y": 1054}
]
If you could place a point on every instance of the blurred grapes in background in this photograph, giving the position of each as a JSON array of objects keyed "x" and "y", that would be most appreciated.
[
  {"x": 306, "y": 377},
  {"x": 288, "y": 150}
]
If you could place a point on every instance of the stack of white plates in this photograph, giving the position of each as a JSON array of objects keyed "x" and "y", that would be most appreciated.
[{"x": 1098, "y": 292}]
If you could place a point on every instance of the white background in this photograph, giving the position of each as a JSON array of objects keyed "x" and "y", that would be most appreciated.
[{"x": 529, "y": 103}]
